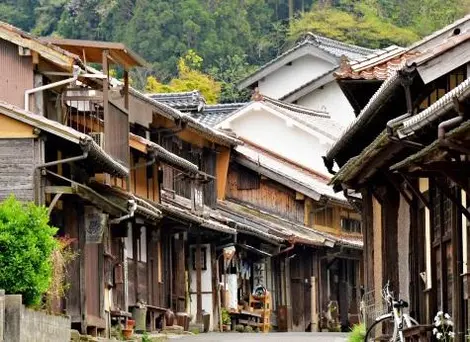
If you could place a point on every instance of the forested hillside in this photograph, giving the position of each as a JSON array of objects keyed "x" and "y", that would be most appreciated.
[{"x": 226, "y": 38}]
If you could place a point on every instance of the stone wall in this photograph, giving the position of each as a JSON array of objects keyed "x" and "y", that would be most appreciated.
[{"x": 24, "y": 325}]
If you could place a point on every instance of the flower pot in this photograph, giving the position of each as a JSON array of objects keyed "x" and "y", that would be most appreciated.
[
  {"x": 130, "y": 324},
  {"x": 127, "y": 333},
  {"x": 226, "y": 327}
]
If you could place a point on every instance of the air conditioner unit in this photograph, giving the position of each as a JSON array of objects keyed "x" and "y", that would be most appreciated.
[{"x": 98, "y": 137}]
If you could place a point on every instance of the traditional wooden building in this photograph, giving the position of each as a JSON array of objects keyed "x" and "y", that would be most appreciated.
[{"x": 406, "y": 154}]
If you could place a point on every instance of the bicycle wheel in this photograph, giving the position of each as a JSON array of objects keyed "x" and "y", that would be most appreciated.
[{"x": 382, "y": 330}]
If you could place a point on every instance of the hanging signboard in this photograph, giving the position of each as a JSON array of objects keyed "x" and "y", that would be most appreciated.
[
  {"x": 95, "y": 222},
  {"x": 197, "y": 197}
]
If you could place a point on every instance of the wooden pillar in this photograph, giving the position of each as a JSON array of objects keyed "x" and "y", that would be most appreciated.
[
  {"x": 288, "y": 296},
  {"x": 81, "y": 244},
  {"x": 198, "y": 279},
  {"x": 368, "y": 238},
  {"x": 391, "y": 203},
  {"x": 105, "y": 66},
  {"x": 314, "y": 326},
  {"x": 215, "y": 286},
  {"x": 457, "y": 270},
  {"x": 126, "y": 89}
]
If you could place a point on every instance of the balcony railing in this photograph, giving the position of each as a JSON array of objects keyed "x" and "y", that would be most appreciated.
[{"x": 83, "y": 110}]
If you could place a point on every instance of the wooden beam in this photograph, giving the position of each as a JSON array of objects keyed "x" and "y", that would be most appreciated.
[
  {"x": 416, "y": 192},
  {"x": 56, "y": 189},
  {"x": 198, "y": 279},
  {"x": 454, "y": 199}
]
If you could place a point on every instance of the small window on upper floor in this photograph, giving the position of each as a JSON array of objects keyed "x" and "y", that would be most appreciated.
[{"x": 350, "y": 225}]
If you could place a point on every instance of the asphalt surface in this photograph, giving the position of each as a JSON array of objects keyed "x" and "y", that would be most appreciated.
[{"x": 271, "y": 337}]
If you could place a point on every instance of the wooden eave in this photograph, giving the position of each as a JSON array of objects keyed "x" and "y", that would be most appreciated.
[
  {"x": 437, "y": 151},
  {"x": 92, "y": 51},
  {"x": 55, "y": 55}
]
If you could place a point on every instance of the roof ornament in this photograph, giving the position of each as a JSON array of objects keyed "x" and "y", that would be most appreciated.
[{"x": 257, "y": 95}]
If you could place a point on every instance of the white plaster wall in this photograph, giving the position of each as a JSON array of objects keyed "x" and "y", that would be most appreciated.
[
  {"x": 272, "y": 133},
  {"x": 404, "y": 248},
  {"x": 290, "y": 77},
  {"x": 206, "y": 286},
  {"x": 329, "y": 98}
]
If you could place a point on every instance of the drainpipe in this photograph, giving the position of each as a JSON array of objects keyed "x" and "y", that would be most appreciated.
[
  {"x": 445, "y": 125},
  {"x": 76, "y": 72},
  {"x": 63, "y": 161},
  {"x": 132, "y": 206},
  {"x": 287, "y": 249}
]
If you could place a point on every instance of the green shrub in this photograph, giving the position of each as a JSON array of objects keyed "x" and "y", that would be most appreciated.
[
  {"x": 26, "y": 245},
  {"x": 357, "y": 334},
  {"x": 248, "y": 329},
  {"x": 239, "y": 328},
  {"x": 226, "y": 317}
]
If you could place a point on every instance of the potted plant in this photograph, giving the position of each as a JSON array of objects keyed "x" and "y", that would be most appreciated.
[{"x": 226, "y": 320}]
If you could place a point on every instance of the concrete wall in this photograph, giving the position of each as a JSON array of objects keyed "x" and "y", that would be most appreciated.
[
  {"x": 330, "y": 98},
  {"x": 291, "y": 77},
  {"x": 26, "y": 325}
]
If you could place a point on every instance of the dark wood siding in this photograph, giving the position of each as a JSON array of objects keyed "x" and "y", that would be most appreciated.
[
  {"x": 17, "y": 163},
  {"x": 209, "y": 158},
  {"x": 117, "y": 144},
  {"x": 271, "y": 196},
  {"x": 16, "y": 74}
]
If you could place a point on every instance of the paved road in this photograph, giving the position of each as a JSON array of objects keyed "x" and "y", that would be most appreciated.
[{"x": 273, "y": 337}]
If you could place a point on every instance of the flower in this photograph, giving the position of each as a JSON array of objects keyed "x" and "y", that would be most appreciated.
[
  {"x": 435, "y": 331},
  {"x": 439, "y": 335},
  {"x": 447, "y": 316},
  {"x": 451, "y": 334}
]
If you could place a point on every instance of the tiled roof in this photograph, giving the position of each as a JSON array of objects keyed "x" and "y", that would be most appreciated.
[
  {"x": 293, "y": 232},
  {"x": 378, "y": 66},
  {"x": 337, "y": 48},
  {"x": 165, "y": 155},
  {"x": 211, "y": 115},
  {"x": 406, "y": 66},
  {"x": 334, "y": 48},
  {"x": 314, "y": 185},
  {"x": 53, "y": 127},
  {"x": 184, "y": 101}
]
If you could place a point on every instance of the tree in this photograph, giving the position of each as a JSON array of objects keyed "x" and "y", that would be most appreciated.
[
  {"x": 190, "y": 77},
  {"x": 26, "y": 245},
  {"x": 362, "y": 27}
]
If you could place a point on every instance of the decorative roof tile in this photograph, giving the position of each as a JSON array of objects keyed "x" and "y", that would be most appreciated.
[
  {"x": 184, "y": 101},
  {"x": 211, "y": 115}
]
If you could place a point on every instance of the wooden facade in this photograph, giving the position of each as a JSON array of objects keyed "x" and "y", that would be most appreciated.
[
  {"x": 293, "y": 270},
  {"x": 413, "y": 181}
]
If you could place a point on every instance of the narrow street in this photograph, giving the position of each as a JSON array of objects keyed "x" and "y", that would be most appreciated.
[{"x": 273, "y": 337}]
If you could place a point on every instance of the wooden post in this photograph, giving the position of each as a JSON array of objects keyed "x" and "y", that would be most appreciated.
[
  {"x": 288, "y": 296},
  {"x": 126, "y": 89},
  {"x": 106, "y": 99},
  {"x": 81, "y": 244},
  {"x": 314, "y": 326},
  {"x": 198, "y": 279}
]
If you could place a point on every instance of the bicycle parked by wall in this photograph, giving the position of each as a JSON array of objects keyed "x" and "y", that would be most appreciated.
[{"x": 390, "y": 326}]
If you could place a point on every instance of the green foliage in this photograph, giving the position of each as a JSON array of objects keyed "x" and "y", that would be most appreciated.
[
  {"x": 248, "y": 329},
  {"x": 226, "y": 320},
  {"x": 189, "y": 79},
  {"x": 362, "y": 28},
  {"x": 231, "y": 37},
  {"x": 239, "y": 328},
  {"x": 358, "y": 333},
  {"x": 26, "y": 245}
]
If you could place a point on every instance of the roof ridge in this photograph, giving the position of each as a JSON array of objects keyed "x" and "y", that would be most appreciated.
[
  {"x": 327, "y": 40},
  {"x": 300, "y": 109}
]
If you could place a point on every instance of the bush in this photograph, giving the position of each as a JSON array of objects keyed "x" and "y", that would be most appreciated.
[
  {"x": 357, "y": 334},
  {"x": 26, "y": 245},
  {"x": 240, "y": 328}
]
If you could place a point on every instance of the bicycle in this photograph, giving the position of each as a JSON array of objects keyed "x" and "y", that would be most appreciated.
[{"x": 389, "y": 327}]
